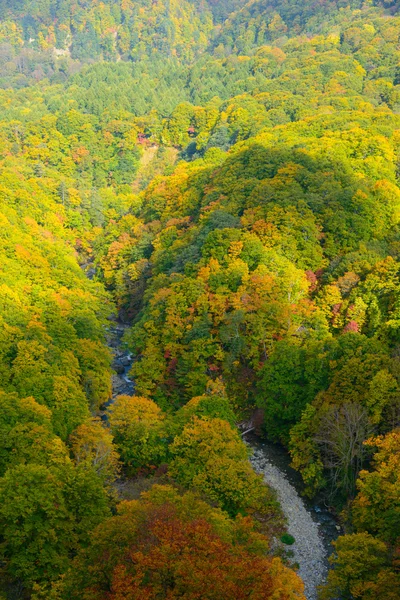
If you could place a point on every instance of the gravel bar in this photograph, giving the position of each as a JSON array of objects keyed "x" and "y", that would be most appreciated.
[{"x": 309, "y": 551}]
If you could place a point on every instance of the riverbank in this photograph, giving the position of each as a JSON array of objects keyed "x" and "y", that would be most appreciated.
[{"x": 312, "y": 526}]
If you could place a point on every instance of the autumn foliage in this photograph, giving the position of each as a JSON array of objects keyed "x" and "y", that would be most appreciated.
[
  {"x": 177, "y": 547},
  {"x": 139, "y": 432},
  {"x": 222, "y": 177}
]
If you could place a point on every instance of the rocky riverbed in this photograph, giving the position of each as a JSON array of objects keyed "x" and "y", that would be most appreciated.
[
  {"x": 312, "y": 527},
  {"x": 122, "y": 384}
]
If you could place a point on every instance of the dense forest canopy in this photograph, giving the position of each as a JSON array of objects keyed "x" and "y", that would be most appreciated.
[{"x": 228, "y": 174}]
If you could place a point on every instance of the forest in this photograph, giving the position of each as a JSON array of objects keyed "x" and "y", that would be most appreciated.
[{"x": 221, "y": 179}]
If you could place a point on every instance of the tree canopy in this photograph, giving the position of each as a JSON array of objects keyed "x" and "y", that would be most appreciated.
[{"x": 223, "y": 178}]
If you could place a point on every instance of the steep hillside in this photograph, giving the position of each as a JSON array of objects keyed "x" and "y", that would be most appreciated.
[{"x": 228, "y": 175}]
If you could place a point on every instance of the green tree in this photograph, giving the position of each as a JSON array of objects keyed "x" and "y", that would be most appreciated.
[
  {"x": 139, "y": 432},
  {"x": 45, "y": 515},
  {"x": 361, "y": 570}
]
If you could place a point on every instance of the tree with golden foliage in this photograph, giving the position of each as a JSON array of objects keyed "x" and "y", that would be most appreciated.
[
  {"x": 139, "y": 432},
  {"x": 92, "y": 443}
]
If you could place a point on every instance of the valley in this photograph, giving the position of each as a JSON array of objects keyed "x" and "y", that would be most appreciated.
[{"x": 200, "y": 218}]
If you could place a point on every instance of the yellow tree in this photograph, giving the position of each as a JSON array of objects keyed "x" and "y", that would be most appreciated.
[
  {"x": 139, "y": 432},
  {"x": 92, "y": 443}
]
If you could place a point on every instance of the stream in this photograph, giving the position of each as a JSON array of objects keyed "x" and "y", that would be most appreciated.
[
  {"x": 310, "y": 523},
  {"x": 122, "y": 384}
]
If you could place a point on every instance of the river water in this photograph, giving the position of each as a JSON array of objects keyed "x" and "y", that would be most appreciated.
[{"x": 122, "y": 384}]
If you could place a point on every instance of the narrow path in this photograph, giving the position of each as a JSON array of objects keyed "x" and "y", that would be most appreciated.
[{"x": 309, "y": 550}]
